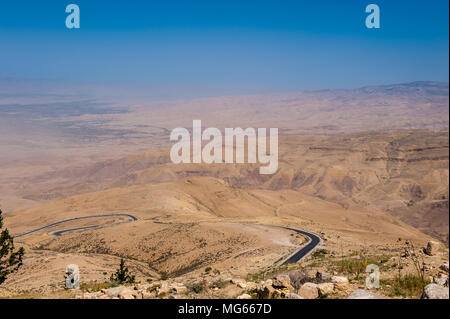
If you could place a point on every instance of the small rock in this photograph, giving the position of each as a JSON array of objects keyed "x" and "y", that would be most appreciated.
[
  {"x": 434, "y": 291},
  {"x": 363, "y": 294},
  {"x": 147, "y": 295},
  {"x": 242, "y": 285},
  {"x": 92, "y": 295},
  {"x": 126, "y": 294},
  {"x": 281, "y": 281},
  {"x": 178, "y": 288},
  {"x": 325, "y": 288},
  {"x": 406, "y": 253},
  {"x": 163, "y": 288},
  {"x": 340, "y": 283},
  {"x": 244, "y": 296},
  {"x": 444, "y": 267},
  {"x": 309, "y": 291},
  {"x": 432, "y": 248},
  {"x": 251, "y": 285},
  {"x": 291, "y": 295}
]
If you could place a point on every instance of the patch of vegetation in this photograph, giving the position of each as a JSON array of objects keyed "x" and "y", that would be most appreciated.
[
  {"x": 196, "y": 287},
  {"x": 355, "y": 264},
  {"x": 409, "y": 285},
  {"x": 208, "y": 269},
  {"x": 97, "y": 286},
  {"x": 319, "y": 253},
  {"x": 164, "y": 275}
]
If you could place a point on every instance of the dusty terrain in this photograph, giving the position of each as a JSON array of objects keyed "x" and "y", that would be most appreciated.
[{"x": 365, "y": 169}]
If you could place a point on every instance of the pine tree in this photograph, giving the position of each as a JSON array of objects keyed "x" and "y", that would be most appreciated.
[
  {"x": 122, "y": 274},
  {"x": 10, "y": 260}
]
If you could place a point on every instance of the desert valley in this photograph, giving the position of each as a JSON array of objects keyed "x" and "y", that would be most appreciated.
[{"x": 366, "y": 170}]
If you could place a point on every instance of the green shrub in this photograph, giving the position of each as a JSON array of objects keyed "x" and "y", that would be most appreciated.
[{"x": 10, "y": 259}]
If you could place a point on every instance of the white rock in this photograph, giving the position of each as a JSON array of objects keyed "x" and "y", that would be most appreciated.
[
  {"x": 363, "y": 294},
  {"x": 244, "y": 296},
  {"x": 293, "y": 296},
  {"x": 434, "y": 291}
]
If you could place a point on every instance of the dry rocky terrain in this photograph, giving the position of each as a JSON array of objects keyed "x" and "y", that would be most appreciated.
[{"x": 366, "y": 170}]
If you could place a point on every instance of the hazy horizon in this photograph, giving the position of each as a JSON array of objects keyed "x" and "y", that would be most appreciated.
[{"x": 175, "y": 50}]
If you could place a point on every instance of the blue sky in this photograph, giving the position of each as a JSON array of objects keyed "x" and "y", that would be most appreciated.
[{"x": 225, "y": 47}]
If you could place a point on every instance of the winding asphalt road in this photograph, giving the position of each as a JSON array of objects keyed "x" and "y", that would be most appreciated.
[
  {"x": 302, "y": 252},
  {"x": 60, "y": 232}
]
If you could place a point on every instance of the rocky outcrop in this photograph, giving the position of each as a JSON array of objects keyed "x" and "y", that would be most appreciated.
[
  {"x": 432, "y": 248},
  {"x": 434, "y": 291}
]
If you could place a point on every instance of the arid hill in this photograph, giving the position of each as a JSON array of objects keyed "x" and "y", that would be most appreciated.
[{"x": 404, "y": 173}]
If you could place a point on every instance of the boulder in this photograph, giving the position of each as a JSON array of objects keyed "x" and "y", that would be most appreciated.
[
  {"x": 244, "y": 296},
  {"x": 434, "y": 291},
  {"x": 115, "y": 292},
  {"x": 340, "y": 283},
  {"x": 298, "y": 278},
  {"x": 363, "y": 294},
  {"x": 325, "y": 288},
  {"x": 309, "y": 291},
  {"x": 126, "y": 294},
  {"x": 281, "y": 281},
  {"x": 432, "y": 248}
]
